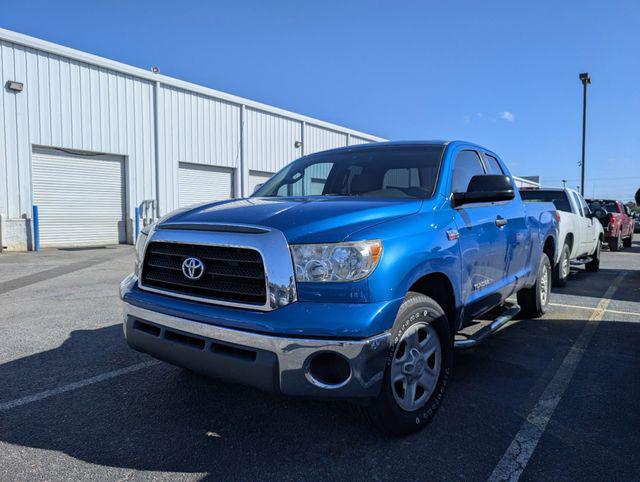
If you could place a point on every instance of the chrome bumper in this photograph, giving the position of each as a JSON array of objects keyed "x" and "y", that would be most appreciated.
[{"x": 291, "y": 356}]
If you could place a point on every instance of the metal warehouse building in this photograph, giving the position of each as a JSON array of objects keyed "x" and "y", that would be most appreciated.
[{"x": 88, "y": 140}]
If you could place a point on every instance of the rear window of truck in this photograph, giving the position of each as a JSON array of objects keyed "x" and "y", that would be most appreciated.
[{"x": 558, "y": 198}]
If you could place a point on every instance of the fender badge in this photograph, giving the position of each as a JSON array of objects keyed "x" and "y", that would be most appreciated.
[{"x": 453, "y": 234}]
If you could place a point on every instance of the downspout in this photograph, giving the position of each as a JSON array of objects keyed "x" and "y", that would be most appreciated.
[{"x": 156, "y": 144}]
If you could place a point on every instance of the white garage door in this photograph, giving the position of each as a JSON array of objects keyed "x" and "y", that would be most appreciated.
[
  {"x": 199, "y": 184},
  {"x": 256, "y": 178},
  {"x": 80, "y": 198}
]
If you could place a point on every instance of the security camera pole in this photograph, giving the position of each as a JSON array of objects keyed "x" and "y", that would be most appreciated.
[{"x": 585, "y": 79}]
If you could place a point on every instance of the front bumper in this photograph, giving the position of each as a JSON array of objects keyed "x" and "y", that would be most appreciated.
[{"x": 272, "y": 363}]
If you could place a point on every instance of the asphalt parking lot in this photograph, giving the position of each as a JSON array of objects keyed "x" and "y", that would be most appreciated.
[{"x": 550, "y": 399}]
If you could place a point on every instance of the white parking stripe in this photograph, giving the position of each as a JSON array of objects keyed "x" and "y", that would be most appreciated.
[
  {"x": 617, "y": 312},
  {"x": 75, "y": 385},
  {"x": 515, "y": 459}
]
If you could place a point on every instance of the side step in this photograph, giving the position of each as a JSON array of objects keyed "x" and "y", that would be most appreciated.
[
  {"x": 484, "y": 332},
  {"x": 581, "y": 261}
]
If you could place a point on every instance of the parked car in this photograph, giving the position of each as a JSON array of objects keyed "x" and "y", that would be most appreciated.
[
  {"x": 354, "y": 292},
  {"x": 636, "y": 223},
  {"x": 616, "y": 221},
  {"x": 579, "y": 235}
]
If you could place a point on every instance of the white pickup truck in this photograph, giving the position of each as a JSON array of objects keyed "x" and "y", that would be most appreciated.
[{"x": 579, "y": 237}]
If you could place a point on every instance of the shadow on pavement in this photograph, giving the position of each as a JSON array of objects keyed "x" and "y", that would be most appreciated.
[{"x": 166, "y": 419}]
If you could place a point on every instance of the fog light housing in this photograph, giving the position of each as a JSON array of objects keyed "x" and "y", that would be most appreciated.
[{"x": 328, "y": 370}]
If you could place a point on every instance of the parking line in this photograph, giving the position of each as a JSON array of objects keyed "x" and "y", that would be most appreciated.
[
  {"x": 617, "y": 312},
  {"x": 517, "y": 455},
  {"x": 75, "y": 385}
]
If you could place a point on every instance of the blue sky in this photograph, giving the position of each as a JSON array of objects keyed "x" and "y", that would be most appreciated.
[{"x": 503, "y": 74}]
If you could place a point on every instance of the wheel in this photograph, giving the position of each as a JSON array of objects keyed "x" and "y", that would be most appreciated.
[
  {"x": 594, "y": 265},
  {"x": 535, "y": 300},
  {"x": 561, "y": 271},
  {"x": 615, "y": 243},
  {"x": 627, "y": 242},
  {"x": 418, "y": 368}
]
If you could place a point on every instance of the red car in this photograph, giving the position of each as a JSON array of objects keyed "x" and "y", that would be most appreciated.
[{"x": 616, "y": 221}]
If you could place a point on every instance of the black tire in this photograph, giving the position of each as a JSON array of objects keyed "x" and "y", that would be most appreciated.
[
  {"x": 533, "y": 304},
  {"x": 561, "y": 271},
  {"x": 627, "y": 242},
  {"x": 615, "y": 243},
  {"x": 385, "y": 411},
  {"x": 594, "y": 265}
]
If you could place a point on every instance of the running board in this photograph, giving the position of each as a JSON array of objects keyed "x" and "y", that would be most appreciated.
[
  {"x": 581, "y": 261},
  {"x": 483, "y": 333}
]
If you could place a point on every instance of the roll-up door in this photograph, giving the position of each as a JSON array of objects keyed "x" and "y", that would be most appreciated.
[
  {"x": 80, "y": 198},
  {"x": 199, "y": 184}
]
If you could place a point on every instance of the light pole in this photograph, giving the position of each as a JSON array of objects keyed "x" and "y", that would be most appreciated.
[
  {"x": 564, "y": 183},
  {"x": 585, "y": 79}
]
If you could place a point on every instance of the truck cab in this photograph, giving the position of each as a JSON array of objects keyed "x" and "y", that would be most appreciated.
[{"x": 346, "y": 275}]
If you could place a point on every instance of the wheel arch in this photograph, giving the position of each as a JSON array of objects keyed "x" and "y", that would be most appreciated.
[
  {"x": 438, "y": 286},
  {"x": 569, "y": 240},
  {"x": 549, "y": 247}
]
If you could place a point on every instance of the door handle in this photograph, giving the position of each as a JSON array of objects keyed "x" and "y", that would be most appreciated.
[{"x": 500, "y": 221}]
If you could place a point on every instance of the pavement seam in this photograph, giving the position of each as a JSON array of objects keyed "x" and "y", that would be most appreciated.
[{"x": 516, "y": 457}]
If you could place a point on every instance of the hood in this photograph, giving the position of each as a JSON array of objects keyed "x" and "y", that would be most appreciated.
[{"x": 301, "y": 219}]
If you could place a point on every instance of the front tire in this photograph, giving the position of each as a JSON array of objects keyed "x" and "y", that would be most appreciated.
[
  {"x": 562, "y": 269},
  {"x": 535, "y": 300},
  {"x": 418, "y": 368}
]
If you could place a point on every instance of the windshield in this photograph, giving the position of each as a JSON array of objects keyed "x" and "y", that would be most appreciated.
[
  {"x": 389, "y": 172},
  {"x": 558, "y": 198}
]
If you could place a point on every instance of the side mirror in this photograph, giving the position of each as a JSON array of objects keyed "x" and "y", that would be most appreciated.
[
  {"x": 485, "y": 188},
  {"x": 257, "y": 186}
]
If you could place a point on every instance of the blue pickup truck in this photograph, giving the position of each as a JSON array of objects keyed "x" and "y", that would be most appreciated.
[{"x": 349, "y": 274}]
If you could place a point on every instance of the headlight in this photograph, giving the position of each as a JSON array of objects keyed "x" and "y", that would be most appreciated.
[{"x": 336, "y": 262}]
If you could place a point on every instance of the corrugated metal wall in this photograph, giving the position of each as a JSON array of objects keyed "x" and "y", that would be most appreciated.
[
  {"x": 72, "y": 105},
  {"x": 354, "y": 141},
  {"x": 271, "y": 140},
  {"x": 196, "y": 129},
  {"x": 76, "y": 101},
  {"x": 319, "y": 139}
]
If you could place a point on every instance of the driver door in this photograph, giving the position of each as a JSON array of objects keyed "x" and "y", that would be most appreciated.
[{"x": 483, "y": 243}]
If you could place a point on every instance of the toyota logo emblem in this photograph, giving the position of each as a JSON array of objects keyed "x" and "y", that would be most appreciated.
[{"x": 192, "y": 268}]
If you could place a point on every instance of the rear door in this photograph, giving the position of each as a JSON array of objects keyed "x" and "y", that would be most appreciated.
[
  {"x": 518, "y": 234},
  {"x": 483, "y": 245}
]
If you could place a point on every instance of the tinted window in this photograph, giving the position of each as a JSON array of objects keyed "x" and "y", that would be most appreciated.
[
  {"x": 493, "y": 166},
  {"x": 399, "y": 172},
  {"x": 609, "y": 206},
  {"x": 466, "y": 166},
  {"x": 558, "y": 198}
]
